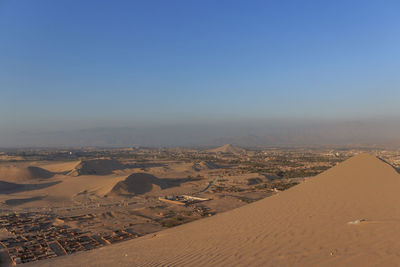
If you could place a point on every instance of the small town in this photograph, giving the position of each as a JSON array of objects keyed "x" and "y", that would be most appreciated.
[{"x": 37, "y": 237}]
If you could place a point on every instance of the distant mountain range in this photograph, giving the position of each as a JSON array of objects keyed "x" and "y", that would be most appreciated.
[
  {"x": 228, "y": 148},
  {"x": 249, "y": 134}
]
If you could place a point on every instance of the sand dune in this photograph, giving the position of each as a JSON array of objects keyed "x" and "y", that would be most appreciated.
[
  {"x": 306, "y": 225},
  {"x": 65, "y": 189},
  {"x": 60, "y": 167},
  {"x": 96, "y": 167},
  {"x": 137, "y": 183},
  {"x": 141, "y": 183},
  {"x": 23, "y": 173},
  {"x": 94, "y": 180},
  {"x": 228, "y": 148}
]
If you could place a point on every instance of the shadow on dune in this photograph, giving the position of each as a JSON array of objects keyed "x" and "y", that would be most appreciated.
[
  {"x": 21, "y": 173},
  {"x": 11, "y": 188},
  {"x": 20, "y": 201},
  {"x": 145, "y": 165},
  {"x": 96, "y": 167},
  {"x": 141, "y": 183},
  {"x": 396, "y": 169},
  {"x": 39, "y": 173},
  {"x": 105, "y": 167}
]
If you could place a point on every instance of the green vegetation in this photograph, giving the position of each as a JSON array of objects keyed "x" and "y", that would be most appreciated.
[{"x": 302, "y": 172}]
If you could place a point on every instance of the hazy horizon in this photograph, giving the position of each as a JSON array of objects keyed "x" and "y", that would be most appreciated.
[
  {"x": 191, "y": 73},
  {"x": 250, "y": 133}
]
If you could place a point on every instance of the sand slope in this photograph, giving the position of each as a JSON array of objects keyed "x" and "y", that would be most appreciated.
[
  {"x": 306, "y": 225},
  {"x": 60, "y": 167},
  {"x": 23, "y": 173},
  {"x": 137, "y": 183},
  {"x": 96, "y": 167}
]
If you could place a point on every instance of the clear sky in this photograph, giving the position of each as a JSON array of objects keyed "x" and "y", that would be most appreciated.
[{"x": 76, "y": 64}]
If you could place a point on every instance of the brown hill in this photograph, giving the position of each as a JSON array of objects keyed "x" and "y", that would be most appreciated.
[
  {"x": 135, "y": 184},
  {"x": 229, "y": 149},
  {"x": 96, "y": 167},
  {"x": 24, "y": 173},
  {"x": 346, "y": 216}
]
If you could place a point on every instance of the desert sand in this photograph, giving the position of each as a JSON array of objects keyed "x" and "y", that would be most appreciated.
[
  {"x": 49, "y": 184},
  {"x": 24, "y": 173},
  {"x": 347, "y": 216}
]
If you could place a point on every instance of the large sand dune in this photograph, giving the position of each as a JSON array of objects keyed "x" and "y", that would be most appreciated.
[
  {"x": 23, "y": 173},
  {"x": 60, "y": 167},
  {"x": 306, "y": 225},
  {"x": 96, "y": 167},
  {"x": 135, "y": 184},
  {"x": 142, "y": 183},
  {"x": 94, "y": 180}
]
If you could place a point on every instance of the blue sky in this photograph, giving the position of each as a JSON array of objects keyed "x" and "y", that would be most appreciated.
[{"x": 77, "y": 64}]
